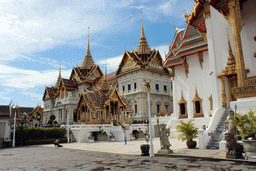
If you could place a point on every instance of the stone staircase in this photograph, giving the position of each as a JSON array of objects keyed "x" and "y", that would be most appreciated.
[{"x": 216, "y": 135}]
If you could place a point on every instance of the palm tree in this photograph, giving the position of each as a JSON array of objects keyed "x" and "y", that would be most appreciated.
[{"x": 187, "y": 131}]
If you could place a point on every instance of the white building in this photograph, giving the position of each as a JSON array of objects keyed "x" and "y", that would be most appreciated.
[
  {"x": 137, "y": 66},
  {"x": 213, "y": 62}
]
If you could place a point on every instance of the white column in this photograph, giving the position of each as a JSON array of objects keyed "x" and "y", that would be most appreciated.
[
  {"x": 68, "y": 123},
  {"x": 150, "y": 129},
  {"x": 201, "y": 138},
  {"x": 14, "y": 128}
]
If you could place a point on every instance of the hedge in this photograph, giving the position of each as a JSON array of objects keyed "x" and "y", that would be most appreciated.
[
  {"x": 44, "y": 141},
  {"x": 29, "y": 133}
]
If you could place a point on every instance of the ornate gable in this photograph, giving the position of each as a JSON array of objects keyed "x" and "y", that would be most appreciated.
[{"x": 125, "y": 62}]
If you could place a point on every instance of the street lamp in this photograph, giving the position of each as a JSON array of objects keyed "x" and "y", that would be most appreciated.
[
  {"x": 68, "y": 123},
  {"x": 14, "y": 129},
  {"x": 147, "y": 84}
]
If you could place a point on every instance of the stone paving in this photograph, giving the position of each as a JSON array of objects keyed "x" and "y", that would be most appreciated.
[{"x": 48, "y": 157}]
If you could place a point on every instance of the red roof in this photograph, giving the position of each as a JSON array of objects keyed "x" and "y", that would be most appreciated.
[{"x": 109, "y": 76}]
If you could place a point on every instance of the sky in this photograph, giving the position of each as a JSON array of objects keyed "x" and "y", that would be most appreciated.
[{"x": 39, "y": 36}]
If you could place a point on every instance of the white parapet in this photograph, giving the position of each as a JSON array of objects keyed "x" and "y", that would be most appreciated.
[{"x": 243, "y": 105}]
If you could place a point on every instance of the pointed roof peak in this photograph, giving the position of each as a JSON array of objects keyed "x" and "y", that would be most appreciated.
[
  {"x": 143, "y": 47},
  {"x": 105, "y": 84},
  {"x": 229, "y": 49},
  {"x": 177, "y": 29},
  {"x": 59, "y": 78},
  {"x": 88, "y": 62}
]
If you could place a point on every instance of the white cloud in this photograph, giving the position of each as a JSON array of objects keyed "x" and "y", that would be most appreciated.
[
  {"x": 20, "y": 78},
  {"x": 167, "y": 7},
  {"x": 138, "y": 7},
  {"x": 28, "y": 27},
  {"x": 163, "y": 49},
  {"x": 33, "y": 95},
  {"x": 3, "y": 95},
  {"x": 112, "y": 63}
]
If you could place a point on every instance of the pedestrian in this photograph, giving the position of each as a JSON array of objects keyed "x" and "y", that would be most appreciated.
[{"x": 125, "y": 138}]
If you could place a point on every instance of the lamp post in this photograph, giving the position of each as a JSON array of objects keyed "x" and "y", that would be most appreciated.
[
  {"x": 14, "y": 127},
  {"x": 68, "y": 123},
  {"x": 147, "y": 84}
]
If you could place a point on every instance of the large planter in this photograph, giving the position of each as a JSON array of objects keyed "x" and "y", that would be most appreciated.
[
  {"x": 191, "y": 144},
  {"x": 102, "y": 137},
  {"x": 249, "y": 145},
  {"x": 140, "y": 135},
  {"x": 144, "y": 149}
]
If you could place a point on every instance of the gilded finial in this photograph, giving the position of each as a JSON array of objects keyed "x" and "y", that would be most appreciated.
[
  {"x": 229, "y": 47},
  {"x": 173, "y": 24},
  {"x": 185, "y": 13},
  {"x": 106, "y": 68},
  {"x": 60, "y": 70},
  {"x": 142, "y": 29},
  {"x": 88, "y": 46},
  {"x": 59, "y": 78}
]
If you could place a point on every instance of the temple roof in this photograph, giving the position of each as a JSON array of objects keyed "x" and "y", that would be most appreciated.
[
  {"x": 186, "y": 42},
  {"x": 96, "y": 99}
]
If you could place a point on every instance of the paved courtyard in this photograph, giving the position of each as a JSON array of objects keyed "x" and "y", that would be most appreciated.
[{"x": 112, "y": 156}]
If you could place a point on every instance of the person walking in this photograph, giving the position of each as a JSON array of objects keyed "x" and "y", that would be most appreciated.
[{"x": 125, "y": 138}]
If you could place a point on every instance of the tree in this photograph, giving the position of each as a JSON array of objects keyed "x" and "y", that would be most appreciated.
[
  {"x": 52, "y": 117},
  {"x": 38, "y": 116}
]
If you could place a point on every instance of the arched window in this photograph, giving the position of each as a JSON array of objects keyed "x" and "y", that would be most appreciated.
[
  {"x": 197, "y": 106},
  {"x": 182, "y": 107}
]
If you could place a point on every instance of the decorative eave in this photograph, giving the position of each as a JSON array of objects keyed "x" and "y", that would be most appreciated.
[{"x": 197, "y": 16}]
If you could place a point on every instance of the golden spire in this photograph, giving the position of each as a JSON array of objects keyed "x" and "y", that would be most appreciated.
[
  {"x": 88, "y": 62},
  {"x": 106, "y": 68},
  {"x": 88, "y": 52},
  {"x": 230, "y": 69},
  {"x": 60, "y": 70},
  {"x": 105, "y": 84},
  {"x": 142, "y": 29},
  {"x": 143, "y": 47},
  {"x": 59, "y": 78}
]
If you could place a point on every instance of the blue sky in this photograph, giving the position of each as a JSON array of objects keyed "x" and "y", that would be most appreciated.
[{"x": 35, "y": 35}]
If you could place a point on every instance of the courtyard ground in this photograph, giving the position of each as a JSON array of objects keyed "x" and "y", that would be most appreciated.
[{"x": 114, "y": 156}]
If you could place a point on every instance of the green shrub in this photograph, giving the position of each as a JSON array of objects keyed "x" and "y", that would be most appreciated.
[
  {"x": 29, "y": 133},
  {"x": 44, "y": 141}
]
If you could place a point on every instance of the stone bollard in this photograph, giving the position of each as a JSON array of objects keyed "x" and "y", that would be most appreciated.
[{"x": 201, "y": 138}]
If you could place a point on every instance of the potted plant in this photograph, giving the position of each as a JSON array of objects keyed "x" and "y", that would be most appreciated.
[
  {"x": 188, "y": 132},
  {"x": 246, "y": 127}
]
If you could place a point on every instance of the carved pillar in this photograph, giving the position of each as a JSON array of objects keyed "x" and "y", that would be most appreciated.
[
  {"x": 235, "y": 23},
  {"x": 224, "y": 101}
]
